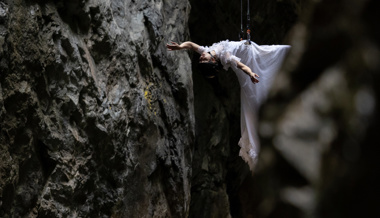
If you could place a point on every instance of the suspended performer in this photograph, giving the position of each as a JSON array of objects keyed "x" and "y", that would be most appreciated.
[{"x": 249, "y": 62}]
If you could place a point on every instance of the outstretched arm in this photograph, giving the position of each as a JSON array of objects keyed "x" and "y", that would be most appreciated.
[
  {"x": 248, "y": 71},
  {"x": 186, "y": 45}
]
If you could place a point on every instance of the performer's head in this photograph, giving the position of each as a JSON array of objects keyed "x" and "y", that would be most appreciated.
[{"x": 208, "y": 65}]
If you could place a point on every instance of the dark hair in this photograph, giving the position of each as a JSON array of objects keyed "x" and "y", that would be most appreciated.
[{"x": 210, "y": 69}]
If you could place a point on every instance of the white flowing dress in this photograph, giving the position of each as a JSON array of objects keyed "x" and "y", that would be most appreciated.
[{"x": 264, "y": 60}]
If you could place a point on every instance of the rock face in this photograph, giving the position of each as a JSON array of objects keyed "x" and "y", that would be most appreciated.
[{"x": 96, "y": 116}]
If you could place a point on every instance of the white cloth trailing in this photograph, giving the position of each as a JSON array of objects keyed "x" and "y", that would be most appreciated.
[{"x": 264, "y": 60}]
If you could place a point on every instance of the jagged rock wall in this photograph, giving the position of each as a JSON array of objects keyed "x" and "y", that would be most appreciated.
[{"x": 96, "y": 116}]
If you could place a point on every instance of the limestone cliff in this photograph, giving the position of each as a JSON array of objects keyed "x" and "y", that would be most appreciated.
[{"x": 96, "y": 116}]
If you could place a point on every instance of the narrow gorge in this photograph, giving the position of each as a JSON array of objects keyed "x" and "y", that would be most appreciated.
[{"x": 98, "y": 119}]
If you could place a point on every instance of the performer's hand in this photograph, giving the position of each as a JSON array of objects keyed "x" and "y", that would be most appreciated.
[
  {"x": 254, "y": 77},
  {"x": 173, "y": 46}
]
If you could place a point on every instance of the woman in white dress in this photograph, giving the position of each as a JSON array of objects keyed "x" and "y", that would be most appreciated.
[{"x": 249, "y": 62}]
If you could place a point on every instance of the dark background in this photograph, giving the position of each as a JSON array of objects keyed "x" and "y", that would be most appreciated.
[{"x": 323, "y": 35}]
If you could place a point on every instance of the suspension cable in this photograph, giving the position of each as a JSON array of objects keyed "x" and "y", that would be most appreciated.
[
  {"x": 241, "y": 34},
  {"x": 248, "y": 27}
]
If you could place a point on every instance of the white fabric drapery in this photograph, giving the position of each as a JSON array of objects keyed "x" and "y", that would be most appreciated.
[{"x": 264, "y": 60}]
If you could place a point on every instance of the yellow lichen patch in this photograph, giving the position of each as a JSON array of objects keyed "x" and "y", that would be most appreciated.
[
  {"x": 151, "y": 96},
  {"x": 148, "y": 96}
]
